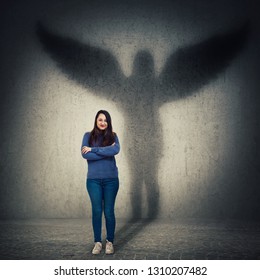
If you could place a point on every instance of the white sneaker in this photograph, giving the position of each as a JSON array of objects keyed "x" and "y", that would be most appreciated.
[
  {"x": 109, "y": 248},
  {"x": 97, "y": 248}
]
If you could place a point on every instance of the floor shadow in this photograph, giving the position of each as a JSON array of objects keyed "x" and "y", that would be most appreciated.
[{"x": 130, "y": 230}]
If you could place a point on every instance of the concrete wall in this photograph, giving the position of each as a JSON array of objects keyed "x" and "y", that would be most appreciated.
[{"x": 190, "y": 150}]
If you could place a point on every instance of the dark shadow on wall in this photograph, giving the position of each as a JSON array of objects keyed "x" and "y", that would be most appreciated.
[{"x": 141, "y": 95}]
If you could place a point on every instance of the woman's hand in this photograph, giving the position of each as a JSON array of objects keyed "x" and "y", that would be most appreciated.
[{"x": 85, "y": 149}]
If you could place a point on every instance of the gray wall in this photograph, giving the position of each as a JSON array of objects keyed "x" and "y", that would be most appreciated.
[{"x": 189, "y": 130}]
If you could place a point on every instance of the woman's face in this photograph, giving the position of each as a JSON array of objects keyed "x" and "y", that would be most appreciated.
[{"x": 101, "y": 122}]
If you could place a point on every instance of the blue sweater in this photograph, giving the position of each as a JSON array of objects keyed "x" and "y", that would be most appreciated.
[{"x": 101, "y": 160}]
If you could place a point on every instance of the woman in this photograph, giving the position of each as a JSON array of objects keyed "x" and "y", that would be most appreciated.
[{"x": 99, "y": 148}]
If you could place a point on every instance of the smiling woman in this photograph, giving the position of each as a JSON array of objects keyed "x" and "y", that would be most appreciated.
[{"x": 99, "y": 147}]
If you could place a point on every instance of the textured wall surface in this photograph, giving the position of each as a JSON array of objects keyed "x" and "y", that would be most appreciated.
[{"x": 180, "y": 79}]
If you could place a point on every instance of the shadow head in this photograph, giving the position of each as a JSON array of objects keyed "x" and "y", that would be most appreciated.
[{"x": 143, "y": 65}]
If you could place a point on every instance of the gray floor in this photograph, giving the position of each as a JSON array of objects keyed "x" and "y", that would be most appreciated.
[{"x": 142, "y": 239}]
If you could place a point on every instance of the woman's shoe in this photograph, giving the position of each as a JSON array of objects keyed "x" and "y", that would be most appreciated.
[
  {"x": 109, "y": 248},
  {"x": 97, "y": 248}
]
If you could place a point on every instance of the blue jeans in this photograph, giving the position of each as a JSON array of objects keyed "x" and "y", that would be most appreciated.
[{"x": 102, "y": 193}]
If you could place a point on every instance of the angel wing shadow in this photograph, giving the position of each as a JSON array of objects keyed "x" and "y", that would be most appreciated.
[
  {"x": 192, "y": 67},
  {"x": 140, "y": 97}
]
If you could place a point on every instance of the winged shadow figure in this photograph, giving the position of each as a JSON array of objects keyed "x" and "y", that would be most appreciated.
[{"x": 140, "y": 96}]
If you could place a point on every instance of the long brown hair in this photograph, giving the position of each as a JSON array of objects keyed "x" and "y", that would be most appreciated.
[{"x": 108, "y": 134}]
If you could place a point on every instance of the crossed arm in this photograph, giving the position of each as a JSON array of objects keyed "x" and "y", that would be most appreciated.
[{"x": 97, "y": 153}]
